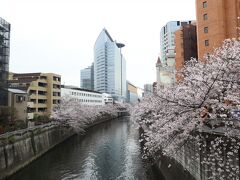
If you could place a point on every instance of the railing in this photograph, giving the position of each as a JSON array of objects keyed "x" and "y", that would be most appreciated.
[
  {"x": 29, "y": 129},
  {"x": 43, "y": 127},
  {"x": 221, "y": 126}
]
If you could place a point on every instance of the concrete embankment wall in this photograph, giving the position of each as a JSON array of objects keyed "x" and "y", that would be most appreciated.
[
  {"x": 18, "y": 150},
  {"x": 172, "y": 170},
  {"x": 213, "y": 155},
  {"x": 187, "y": 162}
]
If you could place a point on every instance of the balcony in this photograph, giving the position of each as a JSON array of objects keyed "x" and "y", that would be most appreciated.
[
  {"x": 43, "y": 77},
  {"x": 42, "y": 84},
  {"x": 44, "y": 81},
  {"x": 42, "y": 96},
  {"x": 56, "y": 80},
  {"x": 30, "y": 104},
  {"x": 56, "y": 97},
  {"x": 56, "y": 101},
  {"x": 56, "y": 94},
  {"x": 31, "y": 91},
  {"x": 57, "y": 90},
  {"x": 33, "y": 96},
  {"x": 42, "y": 101},
  {"x": 40, "y": 105},
  {"x": 32, "y": 88},
  {"x": 42, "y": 88},
  {"x": 57, "y": 87}
]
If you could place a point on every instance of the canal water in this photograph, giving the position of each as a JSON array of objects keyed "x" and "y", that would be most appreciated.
[{"x": 108, "y": 151}]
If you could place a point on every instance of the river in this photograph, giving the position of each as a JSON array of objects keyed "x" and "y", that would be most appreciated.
[{"x": 108, "y": 151}]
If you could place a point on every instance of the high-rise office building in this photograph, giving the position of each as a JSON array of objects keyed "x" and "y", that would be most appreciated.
[
  {"x": 109, "y": 67},
  {"x": 87, "y": 78},
  {"x": 4, "y": 60},
  {"x": 216, "y": 20},
  {"x": 185, "y": 44}
]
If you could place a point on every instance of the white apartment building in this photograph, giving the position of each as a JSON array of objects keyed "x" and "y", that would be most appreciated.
[{"x": 85, "y": 96}]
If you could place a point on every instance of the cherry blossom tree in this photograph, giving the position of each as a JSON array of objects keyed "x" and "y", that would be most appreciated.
[
  {"x": 72, "y": 113},
  {"x": 209, "y": 89}
]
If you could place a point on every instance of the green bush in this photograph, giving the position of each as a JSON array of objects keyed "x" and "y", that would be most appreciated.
[
  {"x": 19, "y": 124},
  {"x": 11, "y": 139},
  {"x": 41, "y": 119}
]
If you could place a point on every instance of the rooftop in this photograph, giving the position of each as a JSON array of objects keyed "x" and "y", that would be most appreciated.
[
  {"x": 17, "y": 91},
  {"x": 79, "y": 89}
]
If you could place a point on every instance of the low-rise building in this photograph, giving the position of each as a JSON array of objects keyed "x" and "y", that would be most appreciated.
[
  {"x": 18, "y": 104},
  {"x": 85, "y": 96},
  {"x": 134, "y": 93},
  {"x": 107, "y": 98},
  {"x": 44, "y": 90}
]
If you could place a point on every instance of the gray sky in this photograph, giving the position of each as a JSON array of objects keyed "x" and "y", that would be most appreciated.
[{"x": 58, "y": 35}]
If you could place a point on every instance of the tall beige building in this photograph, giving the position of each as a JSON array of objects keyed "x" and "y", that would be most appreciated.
[
  {"x": 216, "y": 20},
  {"x": 44, "y": 90}
]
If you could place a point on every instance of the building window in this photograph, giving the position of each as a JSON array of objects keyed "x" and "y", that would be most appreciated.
[
  {"x": 207, "y": 42},
  {"x": 205, "y": 29},
  {"x": 205, "y": 4},
  {"x": 207, "y": 55},
  {"x": 178, "y": 23},
  {"x": 20, "y": 99},
  {"x": 205, "y": 17}
]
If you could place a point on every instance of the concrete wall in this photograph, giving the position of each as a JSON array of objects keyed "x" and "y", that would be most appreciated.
[
  {"x": 187, "y": 162},
  {"x": 17, "y": 151},
  {"x": 172, "y": 170}
]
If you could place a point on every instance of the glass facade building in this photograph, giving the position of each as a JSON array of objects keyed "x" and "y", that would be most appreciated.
[
  {"x": 109, "y": 67},
  {"x": 87, "y": 78},
  {"x": 4, "y": 60}
]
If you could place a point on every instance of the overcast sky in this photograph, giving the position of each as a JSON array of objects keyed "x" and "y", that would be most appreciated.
[{"x": 58, "y": 35}]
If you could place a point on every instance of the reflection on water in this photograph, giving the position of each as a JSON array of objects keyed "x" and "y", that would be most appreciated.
[{"x": 109, "y": 151}]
